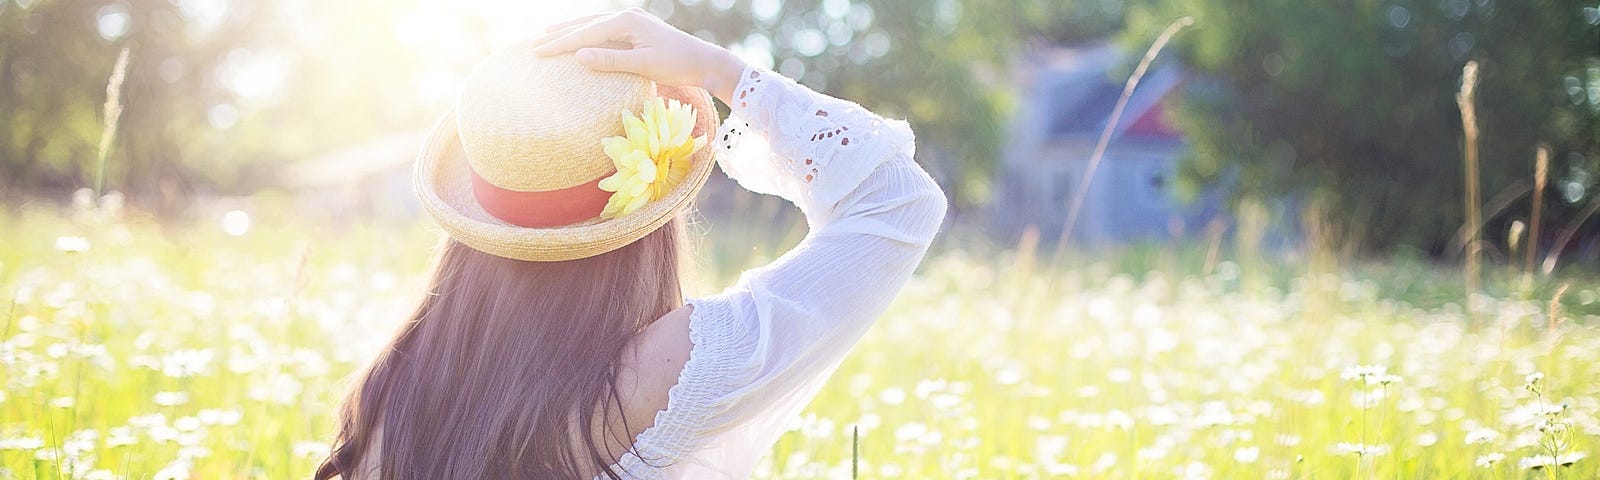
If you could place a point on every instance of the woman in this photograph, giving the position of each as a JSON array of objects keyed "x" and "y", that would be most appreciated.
[{"x": 554, "y": 341}]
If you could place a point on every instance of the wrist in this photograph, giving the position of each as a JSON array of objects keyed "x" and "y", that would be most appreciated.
[{"x": 721, "y": 74}]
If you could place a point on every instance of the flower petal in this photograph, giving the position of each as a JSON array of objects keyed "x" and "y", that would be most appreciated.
[
  {"x": 616, "y": 147},
  {"x": 634, "y": 204}
]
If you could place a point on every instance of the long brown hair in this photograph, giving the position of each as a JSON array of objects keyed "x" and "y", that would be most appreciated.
[{"x": 506, "y": 366}]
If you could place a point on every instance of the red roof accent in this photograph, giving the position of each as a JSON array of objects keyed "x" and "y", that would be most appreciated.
[{"x": 1154, "y": 123}]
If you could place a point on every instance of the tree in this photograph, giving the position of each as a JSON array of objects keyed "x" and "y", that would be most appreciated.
[
  {"x": 1353, "y": 104},
  {"x": 942, "y": 65},
  {"x": 218, "y": 95},
  {"x": 55, "y": 57}
]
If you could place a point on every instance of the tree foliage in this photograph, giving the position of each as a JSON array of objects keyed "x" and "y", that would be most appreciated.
[
  {"x": 55, "y": 57},
  {"x": 943, "y": 65},
  {"x": 219, "y": 96},
  {"x": 1352, "y": 104},
  {"x": 1349, "y": 103}
]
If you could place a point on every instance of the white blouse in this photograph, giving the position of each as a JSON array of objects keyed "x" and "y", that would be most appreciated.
[{"x": 764, "y": 347}]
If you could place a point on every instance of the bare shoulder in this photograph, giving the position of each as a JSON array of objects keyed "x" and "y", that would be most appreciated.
[{"x": 650, "y": 368}]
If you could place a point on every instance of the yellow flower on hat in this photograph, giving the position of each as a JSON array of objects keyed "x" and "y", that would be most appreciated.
[{"x": 652, "y": 158}]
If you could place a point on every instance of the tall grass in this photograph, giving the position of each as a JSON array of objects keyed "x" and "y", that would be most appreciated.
[
  {"x": 112, "y": 116},
  {"x": 1081, "y": 193},
  {"x": 1541, "y": 174},
  {"x": 182, "y": 352},
  {"x": 1466, "y": 99}
]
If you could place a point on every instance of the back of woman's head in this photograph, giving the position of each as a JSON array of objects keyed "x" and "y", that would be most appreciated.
[{"x": 507, "y": 366}]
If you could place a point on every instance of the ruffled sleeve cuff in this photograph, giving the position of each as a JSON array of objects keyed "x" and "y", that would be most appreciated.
[{"x": 808, "y": 148}]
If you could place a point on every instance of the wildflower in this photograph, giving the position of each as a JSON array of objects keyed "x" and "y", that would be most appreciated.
[
  {"x": 1481, "y": 435},
  {"x": 148, "y": 421},
  {"x": 1532, "y": 382},
  {"x": 212, "y": 416},
  {"x": 21, "y": 443},
  {"x": 1038, "y": 423},
  {"x": 100, "y": 474},
  {"x": 892, "y": 396},
  {"x": 1152, "y": 453},
  {"x": 1363, "y": 372},
  {"x": 869, "y": 422},
  {"x": 80, "y": 442},
  {"x": 193, "y": 451},
  {"x": 1488, "y": 461},
  {"x": 187, "y": 424},
  {"x": 120, "y": 436},
  {"x": 1061, "y": 469},
  {"x": 910, "y": 431},
  {"x": 1008, "y": 376},
  {"x": 1106, "y": 461},
  {"x": 1246, "y": 454},
  {"x": 1542, "y": 461},
  {"x": 71, "y": 244},
  {"x": 170, "y": 399},
  {"x": 185, "y": 363},
  {"x": 311, "y": 450},
  {"x": 1360, "y": 449},
  {"x": 163, "y": 434},
  {"x": 1382, "y": 379},
  {"x": 652, "y": 158},
  {"x": 280, "y": 388},
  {"x": 177, "y": 470},
  {"x": 930, "y": 386}
]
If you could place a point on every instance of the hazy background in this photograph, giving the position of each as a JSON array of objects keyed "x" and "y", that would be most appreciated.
[
  {"x": 1345, "y": 110},
  {"x": 1273, "y": 274}
]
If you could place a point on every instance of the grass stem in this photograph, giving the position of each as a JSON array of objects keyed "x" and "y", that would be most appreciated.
[
  {"x": 1465, "y": 100},
  {"x": 1541, "y": 171},
  {"x": 1081, "y": 193},
  {"x": 112, "y": 114}
]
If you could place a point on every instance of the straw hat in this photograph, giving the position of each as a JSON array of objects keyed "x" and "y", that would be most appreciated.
[{"x": 513, "y": 171}]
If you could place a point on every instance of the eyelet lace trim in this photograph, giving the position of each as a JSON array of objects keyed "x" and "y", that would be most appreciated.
[{"x": 822, "y": 147}]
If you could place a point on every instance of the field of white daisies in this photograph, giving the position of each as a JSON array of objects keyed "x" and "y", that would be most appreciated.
[{"x": 132, "y": 349}]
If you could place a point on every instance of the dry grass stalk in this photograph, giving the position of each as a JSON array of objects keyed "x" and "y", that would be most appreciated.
[
  {"x": 1469, "y": 127},
  {"x": 1562, "y": 240},
  {"x": 1553, "y": 324},
  {"x": 112, "y": 114},
  {"x": 1541, "y": 171},
  {"x": 1493, "y": 207},
  {"x": 1079, "y": 194}
]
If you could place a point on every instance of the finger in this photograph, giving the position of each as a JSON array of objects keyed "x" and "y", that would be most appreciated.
[
  {"x": 608, "y": 60},
  {"x": 574, "y": 22},
  {"x": 591, "y": 34},
  {"x": 564, "y": 28},
  {"x": 546, "y": 38}
]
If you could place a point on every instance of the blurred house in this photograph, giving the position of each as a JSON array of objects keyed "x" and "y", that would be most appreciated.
[
  {"x": 1066, "y": 99},
  {"x": 365, "y": 180}
]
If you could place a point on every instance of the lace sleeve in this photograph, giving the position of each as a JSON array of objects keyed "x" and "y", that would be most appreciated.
[
  {"x": 765, "y": 346},
  {"x": 808, "y": 148}
]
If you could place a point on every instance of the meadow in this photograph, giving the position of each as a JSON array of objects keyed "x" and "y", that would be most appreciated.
[{"x": 137, "y": 349}]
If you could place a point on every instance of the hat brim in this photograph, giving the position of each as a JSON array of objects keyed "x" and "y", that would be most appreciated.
[{"x": 444, "y": 188}]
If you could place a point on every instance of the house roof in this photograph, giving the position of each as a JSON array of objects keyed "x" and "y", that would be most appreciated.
[
  {"x": 1078, "y": 93},
  {"x": 355, "y": 161}
]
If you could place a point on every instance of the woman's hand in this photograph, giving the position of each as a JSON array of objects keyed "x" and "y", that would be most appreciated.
[{"x": 637, "y": 42}]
